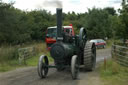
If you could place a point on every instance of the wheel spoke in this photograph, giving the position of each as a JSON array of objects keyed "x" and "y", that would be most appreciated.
[{"x": 42, "y": 66}]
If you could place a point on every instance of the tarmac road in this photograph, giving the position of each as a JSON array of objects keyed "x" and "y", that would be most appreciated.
[{"x": 29, "y": 76}]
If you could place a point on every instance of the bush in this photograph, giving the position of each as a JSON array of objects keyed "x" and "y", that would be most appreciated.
[{"x": 8, "y": 53}]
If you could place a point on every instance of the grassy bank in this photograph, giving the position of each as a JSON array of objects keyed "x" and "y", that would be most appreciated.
[
  {"x": 114, "y": 74},
  {"x": 9, "y": 56},
  {"x": 109, "y": 43}
]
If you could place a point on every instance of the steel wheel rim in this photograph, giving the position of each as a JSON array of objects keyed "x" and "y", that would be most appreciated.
[{"x": 93, "y": 56}]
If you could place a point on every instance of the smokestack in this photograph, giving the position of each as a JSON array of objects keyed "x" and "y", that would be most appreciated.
[{"x": 59, "y": 24}]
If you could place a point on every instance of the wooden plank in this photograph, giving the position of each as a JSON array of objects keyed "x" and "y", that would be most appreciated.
[
  {"x": 118, "y": 46},
  {"x": 122, "y": 59}
]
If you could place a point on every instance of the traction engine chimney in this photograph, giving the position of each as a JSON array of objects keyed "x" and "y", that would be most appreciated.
[{"x": 59, "y": 24}]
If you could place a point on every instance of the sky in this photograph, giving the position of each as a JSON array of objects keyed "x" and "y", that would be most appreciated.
[{"x": 79, "y": 6}]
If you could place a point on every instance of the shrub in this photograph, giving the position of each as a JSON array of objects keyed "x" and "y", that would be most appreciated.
[{"x": 8, "y": 53}]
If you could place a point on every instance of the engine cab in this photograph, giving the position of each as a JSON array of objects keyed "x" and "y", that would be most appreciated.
[{"x": 51, "y": 34}]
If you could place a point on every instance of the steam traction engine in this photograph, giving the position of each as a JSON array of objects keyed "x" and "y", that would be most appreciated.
[{"x": 69, "y": 52}]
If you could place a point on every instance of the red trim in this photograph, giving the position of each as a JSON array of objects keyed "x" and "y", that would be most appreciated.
[{"x": 51, "y": 40}]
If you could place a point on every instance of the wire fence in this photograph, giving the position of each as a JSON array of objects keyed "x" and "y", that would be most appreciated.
[{"x": 120, "y": 54}]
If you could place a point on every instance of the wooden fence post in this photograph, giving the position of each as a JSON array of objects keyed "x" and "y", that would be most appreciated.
[
  {"x": 120, "y": 56},
  {"x": 25, "y": 53}
]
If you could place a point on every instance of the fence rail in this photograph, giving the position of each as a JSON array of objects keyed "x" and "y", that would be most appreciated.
[
  {"x": 120, "y": 54},
  {"x": 25, "y": 53}
]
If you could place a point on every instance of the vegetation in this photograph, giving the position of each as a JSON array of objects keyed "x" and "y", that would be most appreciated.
[
  {"x": 114, "y": 74},
  {"x": 19, "y": 28},
  {"x": 9, "y": 56}
]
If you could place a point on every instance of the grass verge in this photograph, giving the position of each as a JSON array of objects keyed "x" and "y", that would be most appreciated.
[
  {"x": 14, "y": 64},
  {"x": 8, "y": 63},
  {"x": 109, "y": 43},
  {"x": 114, "y": 74},
  {"x": 34, "y": 60}
]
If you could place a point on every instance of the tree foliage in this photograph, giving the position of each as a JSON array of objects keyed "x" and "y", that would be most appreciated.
[
  {"x": 97, "y": 23},
  {"x": 124, "y": 20},
  {"x": 17, "y": 26}
]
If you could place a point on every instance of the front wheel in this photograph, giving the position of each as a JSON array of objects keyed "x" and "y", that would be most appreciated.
[
  {"x": 74, "y": 67},
  {"x": 43, "y": 66}
]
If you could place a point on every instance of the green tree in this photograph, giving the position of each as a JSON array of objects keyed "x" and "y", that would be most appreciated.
[
  {"x": 110, "y": 10},
  {"x": 97, "y": 23},
  {"x": 17, "y": 27},
  {"x": 12, "y": 25},
  {"x": 124, "y": 20}
]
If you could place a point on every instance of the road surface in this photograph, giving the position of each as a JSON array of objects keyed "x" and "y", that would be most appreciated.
[{"x": 29, "y": 76}]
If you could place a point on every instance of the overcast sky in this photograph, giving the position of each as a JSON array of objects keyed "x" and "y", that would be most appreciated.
[{"x": 79, "y": 6}]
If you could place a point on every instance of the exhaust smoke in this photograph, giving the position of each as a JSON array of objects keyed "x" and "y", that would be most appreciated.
[{"x": 52, "y": 3}]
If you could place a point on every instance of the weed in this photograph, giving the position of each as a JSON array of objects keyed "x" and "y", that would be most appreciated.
[
  {"x": 114, "y": 74},
  {"x": 9, "y": 56}
]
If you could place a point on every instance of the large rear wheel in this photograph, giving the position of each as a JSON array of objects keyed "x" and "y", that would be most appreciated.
[
  {"x": 90, "y": 56},
  {"x": 82, "y": 37}
]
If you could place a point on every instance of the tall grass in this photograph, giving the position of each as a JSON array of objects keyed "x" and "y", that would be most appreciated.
[
  {"x": 8, "y": 58},
  {"x": 9, "y": 55},
  {"x": 42, "y": 50},
  {"x": 109, "y": 42},
  {"x": 11, "y": 52},
  {"x": 114, "y": 74}
]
